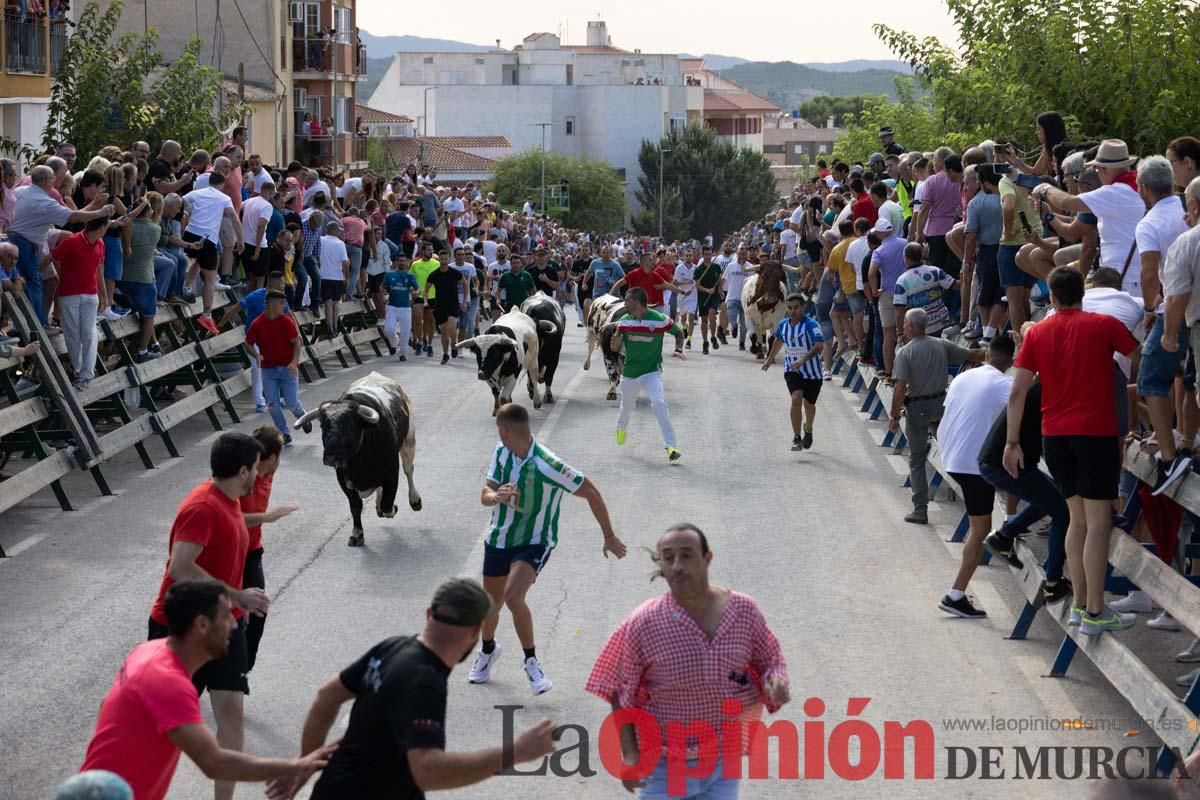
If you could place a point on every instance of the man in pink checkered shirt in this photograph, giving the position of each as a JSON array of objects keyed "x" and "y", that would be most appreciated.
[{"x": 699, "y": 656}]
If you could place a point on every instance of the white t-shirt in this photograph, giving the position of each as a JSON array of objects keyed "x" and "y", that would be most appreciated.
[
  {"x": 893, "y": 213},
  {"x": 257, "y": 181},
  {"x": 527, "y": 209},
  {"x": 489, "y": 250},
  {"x": 1119, "y": 209},
  {"x": 973, "y": 402},
  {"x": 255, "y": 210},
  {"x": 1121, "y": 306},
  {"x": 856, "y": 251},
  {"x": 788, "y": 238},
  {"x": 454, "y": 207},
  {"x": 735, "y": 278},
  {"x": 348, "y": 185},
  {"x": 206, "y": 207},
  {"x": 318, "y": 186},
  {"x": 332, "y": 254},
  {"x": 1159, "y": 229},
  {"x": 685, "y": 276}
]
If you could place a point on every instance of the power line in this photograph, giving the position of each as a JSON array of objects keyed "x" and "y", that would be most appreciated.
[{"x": 257, "y": 47}]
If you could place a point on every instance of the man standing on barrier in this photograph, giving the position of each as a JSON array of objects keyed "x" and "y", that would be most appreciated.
[
  {"x": 681, "y": 657},
  {"x": 922, "y": 373}
]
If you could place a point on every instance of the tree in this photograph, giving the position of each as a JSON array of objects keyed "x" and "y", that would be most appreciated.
[
  {"x": 1111, "y": 68},
  {"x": 819, "y": 109},
  {"x": 722, "y": 187},
  {"x": 597, "y": 201},
  {"x": 99, "y": 94},
  {"x": 916, "y": 122},
  {"x": 676, "y": 224}
]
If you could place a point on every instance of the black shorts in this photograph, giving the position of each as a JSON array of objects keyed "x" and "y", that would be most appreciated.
[
  {"x": 442, "y": 315},
  {"x": 707, "y": 303},
  {"x": 254, "y": 266},
  {"x": 987, "y": 274},
  {"x": 978, "y": 495},
  {"x": 207, "y": 256},
  {"x": 226, "y": 674},
  {"x": 374, "y": 282},
  {"x": 1084, "y": 466},
  {"x": 498, "y": 560},
  {"x": 809, "y": 387},
  {"x": 332, "y": 290},
  {"x": 941, "y": 256}
]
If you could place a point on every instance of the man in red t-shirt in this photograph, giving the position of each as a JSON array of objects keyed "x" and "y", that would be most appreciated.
[
  {"x": 80, "y": 260},
  {"x": 1072, "y": 355},
  {"x": 254, "y": 511},
  {"x": 862, "y": 207},
  {"x": 650, "y": 278},
  {"x": 209, "y": 541},
  {"x": 152, "y": 711},
  {"x": 277, "y": 338}
]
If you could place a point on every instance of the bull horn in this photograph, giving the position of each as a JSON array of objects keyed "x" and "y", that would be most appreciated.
[
  {"x": 308, "y": 417},
  {"x": 368, "y": 414}
]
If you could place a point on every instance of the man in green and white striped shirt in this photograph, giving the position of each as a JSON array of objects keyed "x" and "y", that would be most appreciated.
[{"x": 524, "y": 486}]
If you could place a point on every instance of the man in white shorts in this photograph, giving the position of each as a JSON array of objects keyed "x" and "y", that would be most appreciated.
[{"x": 685, "y": 301}]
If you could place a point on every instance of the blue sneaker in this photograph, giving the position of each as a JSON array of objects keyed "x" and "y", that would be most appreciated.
[
  {"x": 429, "y": 350},
  {"x": 287, "y": 441},
  {"x": 260, "y": 409},
  {"x": 402, "y": 358}
]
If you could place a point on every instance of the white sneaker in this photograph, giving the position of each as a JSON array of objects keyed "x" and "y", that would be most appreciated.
[
  {"x": 1164, "y": 622},
  {"x": 538, "y": 681},
  {"x": 482, "y": 671},
  {"x": 827, "y": 375},
  {"x": 222, "y": 287},
  {"x": 1188, "y": 679},
  {"x": 110, "y": 315},
  {"x": 1133, "y": 603},
  {"x": 1191, "y": 655}
]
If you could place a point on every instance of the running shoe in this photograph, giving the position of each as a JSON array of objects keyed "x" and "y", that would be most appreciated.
[
  {"x": 1164, "y": 622},
  {"x": 206, "y": 322},
  {"x": 1002, "y": 546},
  {"x": 445, "y": 358},
  {"x": 673, "y": 454},
  {"x": 705, "y": 350},
  {"x": 429, "y": 350},
  {"x": 807, "y": 441},
  {"x": 1106, "y": 620},
  {"x": 1191, "y": 655},
  {"x": 721, "y": 336},
  {"x": 1076, "y": 615},
  {"x": 538, "y": 682},
  {"x": 1059, "y": 590},
  {"x": 688, "y": 344},
  {"x": 1188, "y": 679},
  {"x": 454, "y": 352},
  {"x": 260, "y": 409},
  {"x": 1133, "y": 603},
  {"x": 109, "y": 314},
  {"x": 1166, "y": 474},
  {"x": 715, "y": 344},
  {"x": 622, "y": 435},
  {"x": 222, "y": 287},
  {"x": 917, "y": 517},
  {"x": 402, "y": 357},
  {"x": 287, "y": 441},
  {"x": 482, "y": 671},
  {"x": 962, "y": 607},
  {"x": 797, "y": 443},
  {"x": 827, "y": 375}
]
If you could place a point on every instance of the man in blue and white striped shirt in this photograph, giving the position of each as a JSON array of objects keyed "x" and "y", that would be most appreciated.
[{"x": 799, "y": 336}]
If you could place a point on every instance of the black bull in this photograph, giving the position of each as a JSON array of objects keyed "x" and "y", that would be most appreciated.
[{"x": 544, "y": 308}]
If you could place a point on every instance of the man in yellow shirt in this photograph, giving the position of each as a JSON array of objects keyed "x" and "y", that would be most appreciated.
[
  {"x": 424, "y": 328},
  {"x": 848, "y": 272}
]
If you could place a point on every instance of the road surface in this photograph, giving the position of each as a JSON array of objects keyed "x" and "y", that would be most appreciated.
[{"x": 817, "y": 537}]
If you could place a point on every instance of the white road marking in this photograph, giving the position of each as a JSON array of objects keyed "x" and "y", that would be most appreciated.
[{"x": 22, "y": 546}]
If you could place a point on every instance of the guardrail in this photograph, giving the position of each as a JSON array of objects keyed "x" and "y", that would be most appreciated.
[
  {"x": 1178, "y": 719},
  {"x": 62, "y": 429}
]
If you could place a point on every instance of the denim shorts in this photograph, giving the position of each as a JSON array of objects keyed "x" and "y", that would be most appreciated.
[
  {"x": 1010, "y": 273},
  {"x": 1156, "y": 374},
  {"x": 142, "y": 297},
  {"x": 857, "y": 302},
  {"x": 114, "y": 258}
]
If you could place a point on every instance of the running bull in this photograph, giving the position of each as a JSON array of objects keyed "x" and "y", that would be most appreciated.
[
  {"x": 544, "y": 308},
  {"x": 601, "y": 325},
  {"x": 367, "y": 434},
  {"x": 509, "y": 348}
]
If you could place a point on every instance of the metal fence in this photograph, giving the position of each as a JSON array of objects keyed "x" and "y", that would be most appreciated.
[{"x": 25, "y": 46}]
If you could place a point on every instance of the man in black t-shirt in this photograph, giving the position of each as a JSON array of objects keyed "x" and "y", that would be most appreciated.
[
  {"x": 395, "y": 744},
  {"x": 164, "y": 174},
  {"x": 546, "y": 274},
  {"x": 579, "y": 268},
  {"x": 445, "y": 283}
]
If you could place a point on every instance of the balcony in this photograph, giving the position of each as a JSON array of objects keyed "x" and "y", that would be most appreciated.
[
  {"x": 332, "y": 150},
  {"x": 58, "y": 45},
  {"x": 25, "y": 44},
  {"x": 328, "y": 56},
  {"x": 360, "y": 61}
]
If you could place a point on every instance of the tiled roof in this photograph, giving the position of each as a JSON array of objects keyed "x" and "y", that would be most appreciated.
[
  {"x": 691, "y": 64},
  {"x": 374, "y": 116},
  {"x": 254, "y": 92},
  {"x": 737, "y": 102},
  {"x": 437, "y": 155},
  {"x": 471, "y": 141}
]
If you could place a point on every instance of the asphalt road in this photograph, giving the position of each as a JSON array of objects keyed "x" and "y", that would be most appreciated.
[{"x": 817, "y": 537}]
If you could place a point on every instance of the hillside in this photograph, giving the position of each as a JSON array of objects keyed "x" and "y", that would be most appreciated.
[{"x": 788, "y": 84}]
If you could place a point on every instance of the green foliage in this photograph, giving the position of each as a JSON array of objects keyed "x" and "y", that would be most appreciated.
[
  {"x": 820, "y": 109},
  {"x": 1113, "y": 68},
  {"x": 722, "y": 187},
  {"x": 676, "y": 224},
  {"x": 597, "y": 199},
  {"x": 917, "y": 124},
  {"x": 99, "y": 95},
  {"x": 788, "y": 84}
]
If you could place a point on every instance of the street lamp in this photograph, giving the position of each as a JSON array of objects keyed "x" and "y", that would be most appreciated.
[
  {"x": 425, "y": 124},
  {"x": 543, "y": 126},
  {"x": 661, "y": 150}
]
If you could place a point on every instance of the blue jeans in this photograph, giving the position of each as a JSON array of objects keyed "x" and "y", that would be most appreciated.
[
  {"x": 737, "y": 316},
  {"x": 1036, "y": 488},
  {"x": 354, "y": 253},
  {"x": 276, "y": 381},
  {"x": 27, "y": 266},
  {"x": 713, "y": 787},
  {"x": 165, "y": 268},
  {"x": 309, "y": 271},
  {"x": 877, "y": 343}
]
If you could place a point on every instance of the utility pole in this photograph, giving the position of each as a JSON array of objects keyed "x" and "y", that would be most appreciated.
[
  {"x": 543, "y": 126},
  {"x": 425, "y": 124},
  {"x": 661, "y": 150}
]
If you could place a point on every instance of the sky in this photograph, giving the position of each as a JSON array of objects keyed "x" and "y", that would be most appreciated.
[{"x": 782, "y": 32}]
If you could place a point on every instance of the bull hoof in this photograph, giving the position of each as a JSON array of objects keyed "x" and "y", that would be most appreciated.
[
  {"x": 760, "y": 356},
  {"x": 357, "y": 539},
  {"x": 586, "y": 365},
  {"x": 549, "y": 398},
  {"x": 611, "y": 396},
  {"x": 388, "y": 514},
  {"x": 415, "y": 505}
]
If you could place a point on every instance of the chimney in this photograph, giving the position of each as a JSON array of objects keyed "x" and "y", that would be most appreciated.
[
  {"x": 597, "y": 33},
  {"x": 829, "y": 122},
  {"x": 498, "y": 45}
]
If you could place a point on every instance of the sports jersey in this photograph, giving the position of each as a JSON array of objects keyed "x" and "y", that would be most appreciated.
[
  {"x": 925, "y": 287},
  {"x": 798, "y": 340},
  {"x": 540, "y": 478},
  {"x": 643, "y": 341}
]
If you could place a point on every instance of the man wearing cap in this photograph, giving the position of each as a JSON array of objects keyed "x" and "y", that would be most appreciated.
[
  {"x": 524, "y": 487},
  {"x": 887, "y": 265},
  {"x": 888, "y": 142},
  {"x": 395, "y": 744}
]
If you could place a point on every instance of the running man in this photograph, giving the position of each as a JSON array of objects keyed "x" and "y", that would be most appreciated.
[
  {"x": 641, "y": 331},
  {"x": 524, "y": 486},
  {"x": 708, "y": 296},
  {"x": 685, "y": 301},
  {"x": 799, "y": 336},
  {"x": 445, "y": 292}
]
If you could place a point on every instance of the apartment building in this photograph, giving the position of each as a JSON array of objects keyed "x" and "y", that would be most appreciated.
[{"x": 32, "y": 45}]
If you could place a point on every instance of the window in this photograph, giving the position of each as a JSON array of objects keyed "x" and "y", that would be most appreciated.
[
  {"x": 676, "y": 123},
  {"x": 822, "y": 148},
  {"x": 312, "y": 21},
  {"x": 570, "y": 74},
  {"x": 299, "y": 98},
  {"x": 341, "y": 114},
  {"x": 341, "y": 25},
  {"x": 798, "y": 149},
  {"x": 296, "y": 12},
  {"x": 570, "y": 126}
]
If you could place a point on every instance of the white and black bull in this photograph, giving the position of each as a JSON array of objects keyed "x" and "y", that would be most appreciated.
[
  {"x": 367, "y": 434},
  {"x": 509, "y": 348},
  {"x": 601, "y": 326},
  {"x": 763, "y": 301},
  {"x": 543, "y": 308}
]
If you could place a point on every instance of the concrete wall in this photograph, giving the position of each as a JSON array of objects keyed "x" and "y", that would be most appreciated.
[{"x": 23, "y": 119}]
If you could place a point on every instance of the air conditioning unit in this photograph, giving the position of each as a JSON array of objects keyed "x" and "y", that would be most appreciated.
[
  {"x": 295, "y": 12},
  {"x": 427, "y": 60}
]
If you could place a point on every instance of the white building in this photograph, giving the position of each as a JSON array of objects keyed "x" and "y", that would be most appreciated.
[{"x": 598, "y": 101}]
